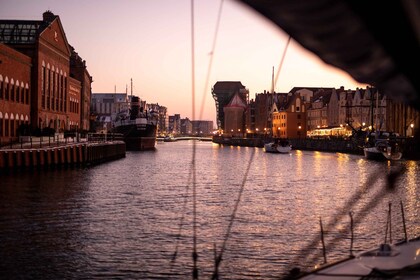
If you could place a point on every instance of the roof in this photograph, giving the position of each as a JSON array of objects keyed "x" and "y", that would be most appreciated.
[
  {"x": 236, "y": 102},
  {"x": 229, "y": 86},
  {"x": 377, "y": 43},
  {"x": 20, "y": 31}
]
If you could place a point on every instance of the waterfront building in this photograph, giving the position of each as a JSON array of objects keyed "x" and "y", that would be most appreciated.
[
  {"x": 162, "y": 111},
  {"x": 202, "y": 127},
  {"x": 78, "y": 70},
  {"x": 108, "y": 107},
  {"x": 234, "y": 115},
  {"x": 223, "y": 92},
  {"x": 174, "y": 126},
  {"x": 290, "y": 119},
  {"x": 317, "y": 114},
  {"x": 186, "y": 127},
  {"x": 15, "y": 86},
  {"x": 60, "y": 85}
]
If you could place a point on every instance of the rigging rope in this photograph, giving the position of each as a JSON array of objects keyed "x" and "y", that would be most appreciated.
[
  {"x": 193, "y": 162},
  {"x": 211, "y": 59}
]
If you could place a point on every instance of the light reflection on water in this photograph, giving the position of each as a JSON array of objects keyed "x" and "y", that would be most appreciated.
[{"x": 121, "y": 219}]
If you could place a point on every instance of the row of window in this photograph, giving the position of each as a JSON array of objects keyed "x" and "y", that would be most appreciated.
[
  {"x": 9, "y": 127},
  {"x": 53, "y": 90},
  {"x": 14, "y": 91}
]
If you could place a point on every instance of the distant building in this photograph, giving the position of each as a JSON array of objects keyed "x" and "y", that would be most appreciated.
[
  {"x": 234, "y": 115},
  {"x": 202, "y": 127},
  {"x": 223, "y": 92},
  {"x": 186, "y": 127},
  {"x": 107, "y": 107},
  {"x": 174, "y": 126},
  {"x": 163, "y": 117},
  {"x": 59, "y": 85}
]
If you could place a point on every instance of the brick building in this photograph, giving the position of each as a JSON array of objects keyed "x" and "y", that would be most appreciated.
[
  {"x": 15, "y": 86},
  {"x": 59, "y": 85}
]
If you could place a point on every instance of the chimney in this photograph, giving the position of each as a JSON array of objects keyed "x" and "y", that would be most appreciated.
[{"x": 48, "y": 16}]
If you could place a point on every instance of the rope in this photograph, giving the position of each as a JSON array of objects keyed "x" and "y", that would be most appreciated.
[{"x": 194, "y": 181}]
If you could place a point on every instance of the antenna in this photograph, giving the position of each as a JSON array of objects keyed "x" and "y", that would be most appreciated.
[{"x": 131, "y": 87}]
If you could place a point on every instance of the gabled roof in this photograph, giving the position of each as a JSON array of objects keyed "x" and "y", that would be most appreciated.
[
  {"x": 236, "y": 102},
  {"x": 27, "y": 32}
]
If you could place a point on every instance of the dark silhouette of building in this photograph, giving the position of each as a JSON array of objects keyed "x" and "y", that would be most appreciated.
[{"x": 223, "y": 92}]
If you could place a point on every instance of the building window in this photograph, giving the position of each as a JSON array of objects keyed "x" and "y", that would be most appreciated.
[
  {"x": 17, "y": 93},
  {"x": 6, "y": 93},
  {"x": 27, "y": 95}
]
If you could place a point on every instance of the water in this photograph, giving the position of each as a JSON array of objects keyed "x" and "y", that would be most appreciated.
[{"x": 122, "y": 219}]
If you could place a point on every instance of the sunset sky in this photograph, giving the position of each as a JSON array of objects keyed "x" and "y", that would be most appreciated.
[{"x": 150, "y": 42}]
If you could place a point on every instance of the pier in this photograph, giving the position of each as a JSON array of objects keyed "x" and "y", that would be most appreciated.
[{"x": 60, "y": 153}]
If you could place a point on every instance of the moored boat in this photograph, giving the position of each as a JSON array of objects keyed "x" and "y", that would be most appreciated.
[
  {"x": 397, "y": 261},
  {"x": 281, "y": 146},
  {"x": 139, "y": 128}
]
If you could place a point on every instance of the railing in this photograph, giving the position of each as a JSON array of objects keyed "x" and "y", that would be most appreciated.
[{"x": 30, "y": 142}]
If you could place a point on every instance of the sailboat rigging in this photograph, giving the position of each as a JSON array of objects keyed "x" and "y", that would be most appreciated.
[{"x": 291, "y": 25}]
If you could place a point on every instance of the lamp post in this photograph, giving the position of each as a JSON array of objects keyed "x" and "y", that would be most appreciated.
[{"x": 412, "y": 129}]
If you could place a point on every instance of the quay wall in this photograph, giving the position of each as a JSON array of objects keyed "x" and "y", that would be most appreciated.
[
  {"x": 409, "y": 146},
  {"x": 59, "y": 156}
]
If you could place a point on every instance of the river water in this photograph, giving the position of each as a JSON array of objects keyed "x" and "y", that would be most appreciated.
[{"x": 125, "y": 219}]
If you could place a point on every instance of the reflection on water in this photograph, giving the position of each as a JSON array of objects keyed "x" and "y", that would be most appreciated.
[{"x": 121, "y": 219}]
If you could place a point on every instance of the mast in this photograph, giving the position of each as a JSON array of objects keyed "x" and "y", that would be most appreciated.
[
  {"x": 272, "y": 81},
  {"x": 131, "y": 87}
]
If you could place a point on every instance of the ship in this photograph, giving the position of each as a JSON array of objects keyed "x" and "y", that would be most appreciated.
[{"x": 138, "y": 127}]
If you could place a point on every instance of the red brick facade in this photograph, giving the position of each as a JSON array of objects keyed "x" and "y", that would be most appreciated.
[
  {"x": 46, "y": 65},
  {"x": 15, "y": 86}
]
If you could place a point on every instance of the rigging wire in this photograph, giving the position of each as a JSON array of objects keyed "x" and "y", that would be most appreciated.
[
  {"x": 206, "y": 83},
  {"x": 281, "y": 61},
  {"x": 193, "y": 162},
  {"x": 375, "y": 200}
]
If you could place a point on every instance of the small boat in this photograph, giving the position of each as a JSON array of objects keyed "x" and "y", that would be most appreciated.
[
  {"x": 281, "y": 146},
  {"x": 169, "y": 139},
  {"x": 382, "y": 149},
  {"x": 284, "y": 146},
  {"x": 397, "y": 261}
]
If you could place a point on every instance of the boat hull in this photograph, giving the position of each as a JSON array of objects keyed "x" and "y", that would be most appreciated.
[
  {"x": 138, "y": 137},
  {"x": 140, "y": 143},
  {"x": 373, "y": 153}
]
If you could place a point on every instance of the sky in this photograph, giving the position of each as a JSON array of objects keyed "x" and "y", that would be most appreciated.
[{"x": 149, "y": 41}]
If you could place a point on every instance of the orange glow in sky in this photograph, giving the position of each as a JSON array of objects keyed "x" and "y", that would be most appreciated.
[{"x": 150, "y": 42}]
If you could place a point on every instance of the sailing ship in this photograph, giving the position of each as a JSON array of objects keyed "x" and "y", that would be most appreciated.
[{"x": 138, "y": 127}]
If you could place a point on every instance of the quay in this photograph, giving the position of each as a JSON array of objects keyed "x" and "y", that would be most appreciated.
[
  {"x": 59, "y": 153},
  {"x": 408, "y": 146}
]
